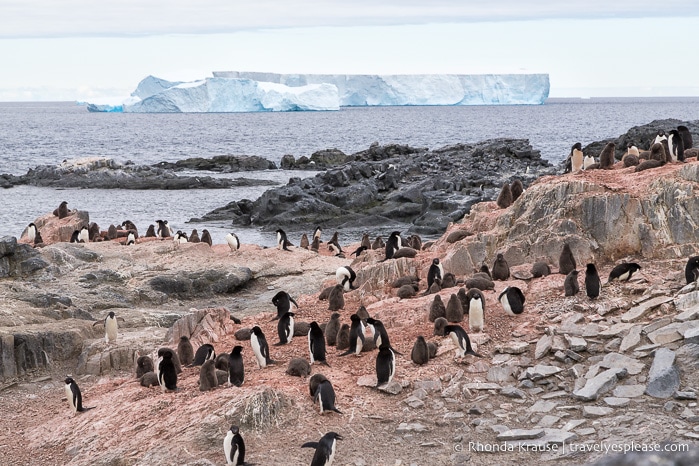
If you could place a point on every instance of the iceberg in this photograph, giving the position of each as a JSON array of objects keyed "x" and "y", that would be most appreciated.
[
  {"x": 230, "y": 95},
  {"x": 418, "y": 89},
  {"x": 240, "y": 91}
]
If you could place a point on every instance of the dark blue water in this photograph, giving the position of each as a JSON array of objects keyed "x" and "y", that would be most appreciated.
[{"x": 47, "y": 133}]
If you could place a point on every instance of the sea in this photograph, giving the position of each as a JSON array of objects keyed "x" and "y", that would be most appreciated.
[{"x": 41, "y": 133}]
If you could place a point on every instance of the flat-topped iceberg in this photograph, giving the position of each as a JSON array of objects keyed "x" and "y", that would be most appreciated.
[{"x": 237, "y": 91}]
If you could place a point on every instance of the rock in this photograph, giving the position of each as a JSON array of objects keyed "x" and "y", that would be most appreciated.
[
  {"x": 687, "y": 302},
  {"x": 686, "y": 395},
  {"x": 539, "y": 371},
  {"x": 520, "y": 434},
  {"x": 201, "y": 326},
  {"x": 629, "y": 391},
  {"x": 543, "y": 346},
  {"x": 187, "y": 285},
  {"x": 542, "y": 406},
  {"x": 243, "y": 334},
  {"x": 663, "y": 377},
  {"x": 500, "y": 374},
  {"x": 405, "y": 427},
  {"x": 392, "y": 388},
  {"x": 512, "y": 392},
  {"x": 616, "y": 402},
  {"x": 619, "y": 361},
  {"x": 637, "y": 313},
  {"x": 576, "y": 344},
  {"x": 632, "y": 339},
  {"x": 690, "y": 314},
  {"x": 596, "y": 411},
  {"x": 667, "y": 334},
  {"x": 513, "y": 347},
  {"x": 600, "y": 384}
]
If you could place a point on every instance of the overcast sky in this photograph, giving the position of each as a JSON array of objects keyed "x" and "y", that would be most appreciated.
[{"x": 98, "y": 51}]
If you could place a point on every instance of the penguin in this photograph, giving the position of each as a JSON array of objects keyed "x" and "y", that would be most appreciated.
[
  {"x": 285, "y": 329},
  {"x": 691, "y": 270},
  {"x": 571, "y": 286},
  {"x": 144, "y": 364},
  {"x": 258, "y": 342},
  {"x": 315, "y": 244},
  {"x": 150, "y": 233},
  {"x": 304, "y": 244},
  {"x": 336, "y": 300},
  {"x": 512, "y": 300},
  {"x": 204, "y": 353},
  {"x": 316, "y": 343},
  {"x": 173, "y": 356},
  {"x": 163, "y": 230},
  {"x": 378, "y": 243},
  {"x": 631, "y": 149},
  {"x": 479, "y": 282},
  {"x": 207, "y": 376},
  {"x": 345, "y": 276},
  {"x": 221, "y": 362},
  {"x": 385, "y": 365},
  {"x": 234, "y": 447},
  {"x": 576, "y": 158},
  {"x": 540, "y": 269},
  {"x": 460, "y": 338},
  {"x": 149, "y": 379},
  {"x": 180, "y": 237},
  {"x": 365, "y": 242},
  {"x": 356, "y": 336},
  {"x": 31, "y": 232},
  {"x": 476, "y": 310},
  {"x": 661, "y": 139},
  {"x": 454, "y": 311},
  {"x": 62, "y": 210},
  {"x": 686, "y": 136},
  {"x": 194, "y": 236},
  {"x": 343, "y": 337},
  {"x": 420, "y": 353},
  {"x": 282, "y": 301},
  {"x": 593, "y": 284},
  {"x": 623, "y": 271},
  {"x": 358, "y": 251},
  {"x": 233, "y": 241},
  {"x": 378, "y": 332},
  {"x": 437, "y": 308},
  {"x": 325, "y": 449},
  {"x": 334, "y": 245},
  {"x": 449, "y": 280},
  {"x": 393, "y": 244},
  {"x": 501, "y": 271},
  {"x": 588, "y": 162},
  {"x": 332, "y": 328},
  {"x": 363, "y": 314},
  {"x": 206, "y": 237},
  {"x": 431, "y": 350},
  {"x": 167, "y": 375},
  {"x": 606, "y": 157},
  {"x": 130, "y": 239},
  {"x": 566, "y": 261},
  {"x": 504, "y": 199},
  {"x": 324, "y": 395},
  {"x": 129, "y": 225},
  {"x": 75, "y": 398},
  {"x": 84, "y": 235},
  {"x": 38, "y": 240},
  {"x": 436, "y": 271},
  {"x": 185, "y": 351},
  {"x": 317, "y": 232},
  {"x": 75, "y": 237},
  {"x": 282, "y": 242},
  {"x": 484, "y": 269},
  {"x": 314, "y": 381},
  {"x": 111, "y": 327},
  {"x": 439, "y": 325},
  {"x": 676, "y": 146},
  {"x": 236, "y": 370}
]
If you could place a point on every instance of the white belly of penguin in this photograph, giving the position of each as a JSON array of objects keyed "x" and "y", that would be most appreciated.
[
  {"x": 475, "y": 316},
  {"x": 110, "y": 330},
  {"x": 506, "y": 305}
]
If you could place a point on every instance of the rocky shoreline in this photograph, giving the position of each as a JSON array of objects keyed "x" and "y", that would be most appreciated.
[{"x": 556, "y": 383}]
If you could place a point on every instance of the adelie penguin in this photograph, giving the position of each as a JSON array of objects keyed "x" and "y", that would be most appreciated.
[
  {"x": 144, "y": 364},
  {"x": 566, "y": 261},
  {"x": 691, "y": 270},
  {"x": 476, "y": 310},
  {"x": 234, "y": 447},
  {"x": 206, "y": 237},
  {"x": 163, "y": 230},
  {"x": 324, "y": 395},
  {"x": 336, "y": 298},
  {"x": 593, "y": 284},
  {"x": 180, "y": 237},
  {"x": 461, "y": 340},
  {"x": 282, "y": 301},
  {"x": 356, "y": 336},
  {"x": 204, "y": 353},
  {"x": 233, "y": 241},
  {"x": 420, "y": 353},
  {"x": 167, "y": 374},
  {"x": 130, "y": 239},
  {"x": 501, "y": 271},
  {"x": 75, "y": 398},
  {"x": 393, "y": 244},
  {"x": 282, "y": 242},
  {"x": 259, "y": 345},
  {"x": 436, "y": 271},
  {"x": 378, "y": 332},
  {"x": 207, "y": 376},
  {"x": 385, "y": 365},
  {"x": 325, "y": 449},
  {"x": 185, "y": 351},
  {"x": 236, "y": 370},
  {"x": 111, "y": 327},
  {"x": 623, "y": 272},
  {"x": 285, "y": 329},
  {"x": 345, "y": 276},
  {"x": 31, "y": 232},
  {"x": 84, "y": 235},
  {"x": 512, "y": 300},
  {"x": 316, "y": 343},
  {"x": 571, "y": 287}
]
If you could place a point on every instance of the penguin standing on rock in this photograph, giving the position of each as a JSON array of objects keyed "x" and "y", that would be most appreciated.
[
  {"x": 75, "y": 398},
  {"x": 234, "y": 447},
  {"x": 206, "y": 237},
  {"x": 130, "y": 239},
  {"x": 285, "y": 329},
  {"x": 282, "y": 242},
  {"x": 163, "y": 230},
  {"x": 282, "y": 301},
  {"x": 393, "y": 244},
  {"x": 31, "y": 232},
  {"x": 204, "y": 353},
  {"x": 593, "y": 284},
  {"x": 691, "y": 270},
  {"x": 233, "y": 241},
  {"x": 385, "y": 365},
  {"x": 436, "y": 272},
  {"x": 460, "y": 338},
  {"x": 236, "y": 371},
  {"x": 185, "y": 351},
  {"x": 475, "y": 310},
  {"x": 325, "y": 449},
  {"x": 110, "y": 327},
  {"x": 356, "y": 336},
  {"x": 501, "y": 271},
  {"x": 512, "y": 300},
  {"x": 316, "y": 343},
  {"x": 259, "y": 345}
]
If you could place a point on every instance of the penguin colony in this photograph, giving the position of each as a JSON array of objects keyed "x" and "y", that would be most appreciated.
[{"x": 352, "y": 339}]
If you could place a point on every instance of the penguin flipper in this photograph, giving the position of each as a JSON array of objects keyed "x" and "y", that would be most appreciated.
[{"x": 310, "y": 445}]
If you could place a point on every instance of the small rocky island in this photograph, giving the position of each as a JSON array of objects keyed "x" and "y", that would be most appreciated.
[{"x": 568, "y": 373}]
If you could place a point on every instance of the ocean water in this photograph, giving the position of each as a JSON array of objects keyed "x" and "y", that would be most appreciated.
[{"x": 33, "y": 134}]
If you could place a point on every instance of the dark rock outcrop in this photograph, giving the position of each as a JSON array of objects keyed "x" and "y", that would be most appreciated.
[
  {"x": 221, "y": 164},
  {"x": 17, "y": 260},
  {"x": 186, "y": 285},
  {"x": 394, "y": 183}
]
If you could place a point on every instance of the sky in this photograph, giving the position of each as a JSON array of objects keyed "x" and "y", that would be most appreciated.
[{"x": 98, "y": 50}]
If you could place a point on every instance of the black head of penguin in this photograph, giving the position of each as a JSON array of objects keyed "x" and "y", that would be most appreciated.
[{"x": 204, "y": 353}]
